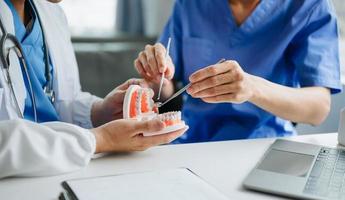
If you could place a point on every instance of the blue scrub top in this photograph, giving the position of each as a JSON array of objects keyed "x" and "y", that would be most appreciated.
[
  {"x": 289, "y": 42},
  {"x": 32, "y": 43}
]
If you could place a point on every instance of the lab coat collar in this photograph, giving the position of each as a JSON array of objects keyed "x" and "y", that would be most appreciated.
[
  {"x": 54, "y": 28},
  {"x": 15, "y": 70},
  {"x": 6, "y": 17},
  {"x": 66, "y": 80}
]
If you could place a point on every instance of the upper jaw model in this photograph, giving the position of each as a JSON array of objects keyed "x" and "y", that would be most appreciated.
[{"x": 138, "y": 104}]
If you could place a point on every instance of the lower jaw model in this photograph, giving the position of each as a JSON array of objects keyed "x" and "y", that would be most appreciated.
[{"x": 138, "y": 105}]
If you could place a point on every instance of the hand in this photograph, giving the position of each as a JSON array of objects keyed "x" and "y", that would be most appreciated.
[
  {"x": 220, "y": 83},
  {"x": 110, "y": 108},
  {"x": 126, "y": 135},
  {"x": 151, "y": 63}
]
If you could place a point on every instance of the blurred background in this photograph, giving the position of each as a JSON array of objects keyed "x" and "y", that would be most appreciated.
[{"x": 108, "y": 36}]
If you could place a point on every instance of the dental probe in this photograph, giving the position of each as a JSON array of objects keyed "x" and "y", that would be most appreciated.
[{"x": 162, "y": 79}]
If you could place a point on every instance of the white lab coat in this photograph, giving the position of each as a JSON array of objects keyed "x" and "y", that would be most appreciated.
[{"x": 30, "y": 149}]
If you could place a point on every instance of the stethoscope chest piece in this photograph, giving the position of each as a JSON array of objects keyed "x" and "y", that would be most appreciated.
[{"x": 50, "y": 94}]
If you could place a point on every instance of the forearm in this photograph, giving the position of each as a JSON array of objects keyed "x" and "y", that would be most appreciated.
[
  {"x": 77, "y": 110},
  {"x": 302, "y": 105},
  {"x": 31, "y": 149}
]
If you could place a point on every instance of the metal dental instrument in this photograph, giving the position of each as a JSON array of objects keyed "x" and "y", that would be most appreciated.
[
  {"x": 162, "y": 79},
  {"x": 159, "y": 104}
]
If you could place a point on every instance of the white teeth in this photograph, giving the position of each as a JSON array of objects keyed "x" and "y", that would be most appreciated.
[
  {"x": 150, "y": 93},
  {"x": 176, "y": 115},
  {"x": 149, "y": 99},
  {"x": 138, "y": 102}
]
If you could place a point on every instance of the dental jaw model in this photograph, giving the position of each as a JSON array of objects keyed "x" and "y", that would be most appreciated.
[{"x": 138, "y": 105}]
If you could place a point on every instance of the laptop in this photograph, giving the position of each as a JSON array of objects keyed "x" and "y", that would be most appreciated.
[{"x": 300, "y": 170}]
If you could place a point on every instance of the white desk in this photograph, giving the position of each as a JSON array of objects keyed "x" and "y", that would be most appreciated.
[{"x": 222, "y": 164}]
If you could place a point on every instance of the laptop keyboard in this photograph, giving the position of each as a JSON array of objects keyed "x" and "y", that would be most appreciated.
[{"x": 327, "y": 176}]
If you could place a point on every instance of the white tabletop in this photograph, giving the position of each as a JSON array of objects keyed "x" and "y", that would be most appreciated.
[{"x": 223, "y": 164}]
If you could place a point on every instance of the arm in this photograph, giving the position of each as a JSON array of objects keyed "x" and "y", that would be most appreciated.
[
  {"x": 290, "y": 103},
  {"x": 313, "y": 54},
  {"x": 31, "y": 149},
  {"x": 228, "y": 83},
  {"x": 151, "y": 62}
]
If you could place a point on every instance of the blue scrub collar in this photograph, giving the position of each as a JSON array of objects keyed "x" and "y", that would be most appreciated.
[{"x": 21, "y": 31}]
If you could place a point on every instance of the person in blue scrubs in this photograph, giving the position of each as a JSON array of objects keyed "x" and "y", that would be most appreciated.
[{"x": 282, "y": 65}]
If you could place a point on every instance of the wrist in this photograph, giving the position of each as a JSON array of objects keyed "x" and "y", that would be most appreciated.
[
  {"x": 256, "y": 88},
  {"x": 100, "y": 142},
  {"x": 96, "y": 113}
]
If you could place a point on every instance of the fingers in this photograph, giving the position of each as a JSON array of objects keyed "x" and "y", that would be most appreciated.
[
  {"x": 212, "y": 82},
  {"x": 221, "y": 83},
  {"x": 137, "y": 81},
  {"x": 170, "y": 69},
  {"x": 148, "y": 126},
  {"x": 152, "y": 60},
  {"x": 133, "y": 81},
  {"x": 162, "y": 139},
  {"x": 226, "y": 98},
  {"x": 119, "y": 96},
  {"x": 141, "y": 70},
  {"x": 151, "y": 63},
  {"x": 212, "y": 70},
  {"x": 160, "y": 56},
  {"x": 218, "y": 90},
  {"x": 144, "y": 62},
  {"x": 165, "y": 65}
]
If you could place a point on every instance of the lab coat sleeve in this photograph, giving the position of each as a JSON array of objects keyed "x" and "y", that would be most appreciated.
[
  {"x": 78, "y": 110},
  {"x": 72, "y": 104},
  {"x": 31, "y": 149}
]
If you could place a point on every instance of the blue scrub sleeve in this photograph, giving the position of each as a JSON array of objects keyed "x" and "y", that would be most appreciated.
[
  {"x": 173, "y": 29},
  {"x": 315, "y": 50}
]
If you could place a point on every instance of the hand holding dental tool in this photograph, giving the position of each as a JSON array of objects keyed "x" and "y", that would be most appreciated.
[
  {"x": 162, "y": 79},
  {"x": 159, "y": 104},
  {"x": 224, "y": 83}
]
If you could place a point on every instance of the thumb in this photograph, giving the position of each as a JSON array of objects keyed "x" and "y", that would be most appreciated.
[
  {"x": 119, "y": 96},
  {"x": 143, "y": 83},
  {"x": 170, "y": 69},
  {"x": 148, "y": 126},
  {"x": 125, "y": 85}
]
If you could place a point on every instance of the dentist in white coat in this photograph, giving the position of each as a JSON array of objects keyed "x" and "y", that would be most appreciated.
[{"x": 73, "y": 126}]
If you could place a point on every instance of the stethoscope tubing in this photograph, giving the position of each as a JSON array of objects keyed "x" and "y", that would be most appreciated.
[
  {"x": 19, "y": 52},
  {"x": 6, "y": 65}
]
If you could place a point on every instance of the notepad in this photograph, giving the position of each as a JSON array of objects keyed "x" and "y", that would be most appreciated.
[{"x": 171, "y": 184}]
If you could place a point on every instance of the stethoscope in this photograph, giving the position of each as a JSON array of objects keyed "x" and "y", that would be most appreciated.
[{"x": 17, "y": 48}]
